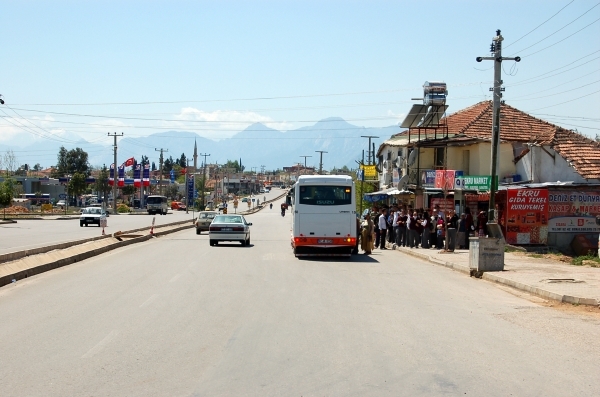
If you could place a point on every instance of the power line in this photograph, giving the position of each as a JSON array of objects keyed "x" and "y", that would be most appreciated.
[
  {"x": 580, "y": 97},
  {"x": 558, "y": 93},
  {"x": 534, "y": 29},
  {"x": 560, "y": 41}
]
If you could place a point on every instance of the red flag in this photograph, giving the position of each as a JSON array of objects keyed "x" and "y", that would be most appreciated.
[{"x": 129, "y": 162}]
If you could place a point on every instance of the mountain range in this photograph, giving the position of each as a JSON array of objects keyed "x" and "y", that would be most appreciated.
[{"x": 257, "y": 145}]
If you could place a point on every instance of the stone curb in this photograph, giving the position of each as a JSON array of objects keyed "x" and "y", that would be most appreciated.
[
  {"x": 12, "y": 256},
  {"x": 542, "y": 293},
  {"x": 8, "y": 279}
]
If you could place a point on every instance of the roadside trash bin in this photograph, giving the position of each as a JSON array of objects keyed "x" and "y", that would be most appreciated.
[{"x": 486, "y": 254}]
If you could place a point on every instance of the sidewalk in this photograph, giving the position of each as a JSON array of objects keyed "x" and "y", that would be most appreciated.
[{"x": 543, "y": 277}]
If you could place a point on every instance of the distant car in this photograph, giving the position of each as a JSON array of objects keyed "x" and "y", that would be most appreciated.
[
  {"x": 203, "y": 221},
  {"x": 91, "y": 215},
  {"x": 178, "y": 205},
  {"x": 245, "y": 199},
  {"x": 229, "y": 228},
  {"x": 61, "y": 203}
]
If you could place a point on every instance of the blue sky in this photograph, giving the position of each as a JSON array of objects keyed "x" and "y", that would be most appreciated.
[{"x": 223, "y": 65}]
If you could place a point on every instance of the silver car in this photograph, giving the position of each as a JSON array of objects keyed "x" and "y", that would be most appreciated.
[
  {"x": 204, "y": 220},
  {"x": 229, "y": 228}
]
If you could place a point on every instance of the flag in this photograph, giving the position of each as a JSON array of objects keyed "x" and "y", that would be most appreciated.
[
  {"x": 111, "y": 178},
  {"x": 121, "y": 182},
  {"x": 137, "y": 180},
  {"x": 129, "y": 162},
  {"x": 146, "y": 177}
]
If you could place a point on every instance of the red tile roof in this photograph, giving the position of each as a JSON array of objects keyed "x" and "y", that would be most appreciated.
[{"x": 517, "y": 126}]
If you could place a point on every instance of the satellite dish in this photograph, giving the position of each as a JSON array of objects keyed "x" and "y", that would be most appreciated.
[
  {"x": 412, "y": 157},
  {"x": 402, "y": 183}
]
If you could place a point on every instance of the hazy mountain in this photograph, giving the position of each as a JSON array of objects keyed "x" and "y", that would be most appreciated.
[{"x": 257, "y": 145}]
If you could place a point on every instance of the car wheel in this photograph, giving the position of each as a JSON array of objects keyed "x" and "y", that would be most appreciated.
[
  {"x": 198, "y": 231},
  {"x": 212, "y": 242},
  {"x": 243, "y": 242},
  {"x": 248, "y": 241},
  {"x": 80, "y": 224}
]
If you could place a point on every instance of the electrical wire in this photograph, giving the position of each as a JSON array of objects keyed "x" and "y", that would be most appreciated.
[
  {"x": 558, "y": 93},
  {"x": 583, "y": 96},
  {"x": 560, "y": 41},
  {"x": 539, "y": 78},
  {"x": 534, "y": 29}
]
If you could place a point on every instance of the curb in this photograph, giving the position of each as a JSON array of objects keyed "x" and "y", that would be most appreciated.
[
  {"x": 12, "y": 256},
  {"x": 540, "y": 292},
  {"x": 8, "y": 279}
]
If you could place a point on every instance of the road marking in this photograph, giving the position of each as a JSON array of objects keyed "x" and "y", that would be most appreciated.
[
  {"x": 175, "y": 278},
  {"x": 101, "y": 344},
  {"x": 149, "y": 300}
]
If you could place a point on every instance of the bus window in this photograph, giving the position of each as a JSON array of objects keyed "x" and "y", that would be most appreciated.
[{"x": 325, "y": 195}]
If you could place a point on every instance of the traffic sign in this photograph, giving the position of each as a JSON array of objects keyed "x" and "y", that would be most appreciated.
[{"x": 62, "y": 196}]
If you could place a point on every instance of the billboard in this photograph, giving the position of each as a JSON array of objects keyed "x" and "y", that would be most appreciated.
[
  {"x": 445, "y": 179},
  {"x": 526, "y": 216},
  {"x": 572, "y": 211}
]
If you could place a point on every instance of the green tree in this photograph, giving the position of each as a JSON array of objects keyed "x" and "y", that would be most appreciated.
[
  {"x": 233, "y": 165},
  {"x": 182, "y": 161},
  {"x": 7, "y": 191},
  {"x": 71, "y": 162},
  {"x": 102, "y": 185},
  {"x": 172, "y": 191},
  {"x": 144, "y": 160},
  {"x": 77, "y": 184}
]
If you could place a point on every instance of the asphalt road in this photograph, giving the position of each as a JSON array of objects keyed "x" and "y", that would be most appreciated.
[
  {"x": 175, "y": 317},
  {"x": 33, "y": 233}
]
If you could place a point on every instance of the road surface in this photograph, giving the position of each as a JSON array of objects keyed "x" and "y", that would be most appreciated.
[{"x": 175, "y": 317}]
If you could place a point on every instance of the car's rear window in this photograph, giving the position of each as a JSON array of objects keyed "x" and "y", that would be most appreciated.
[
  {"x": 228, "y": 219},
  {"x": 208, "y": 215}
]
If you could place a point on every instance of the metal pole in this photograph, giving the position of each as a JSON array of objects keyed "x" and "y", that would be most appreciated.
[
  {"x": 204, "y": 175},
  {"x": 161, "y": 150},
  {"x": 187, "y": 194},
  {"x": 496, "y": 50},
  {"x": 320, "y": 161},
  {"x": 115, "y": 172},
  {"x": 369, "y": 147}
]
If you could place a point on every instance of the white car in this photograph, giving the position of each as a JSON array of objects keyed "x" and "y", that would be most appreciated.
[
  {"x": 91, "y": 215},
  {"x": 230, "y": 227},
  {"x": 61, "y": 203}
]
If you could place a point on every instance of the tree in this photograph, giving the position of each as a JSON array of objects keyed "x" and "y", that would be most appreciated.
[
  {"x": 102, "y": 185},
  {"x": 144, "y": 161},
  {"x": 37, "y": 167},
  {"x": 172, "y": 192},
  {"x": 233, "y": 165},
  {"x": 10, "y": 162},
  {"x": 597, "y": 137},
  {"x": 168, "y": 165},
  {"x": 7, "y": 191},
  {"x": 128, "y": 190},
  {"x": 183, "y": 161},
  {"x": 77, "y": 184},
  {"x": 71, "y": 162},
  {"x": 153, "y": 166}
]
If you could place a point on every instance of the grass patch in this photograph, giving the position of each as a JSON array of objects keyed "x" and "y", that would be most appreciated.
[
  {"x": 539, "y": 256},
  {"x": 578, "y": 261}
]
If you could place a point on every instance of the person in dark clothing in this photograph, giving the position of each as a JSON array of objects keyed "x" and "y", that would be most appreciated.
[
  {"x": 383, "y": 228},
  {"x": 401, "y": 239},
  {"x": 452, "y": 228},
  {"x": 468, "y": 225}
]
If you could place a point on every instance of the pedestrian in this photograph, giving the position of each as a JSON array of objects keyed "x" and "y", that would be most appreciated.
[
  {"x": 452, "y": 222},
  {"x": 481, "y": 224},
  {"x": 375, "y": 216},
  {"x": 412, "y": 231},
  {"x": 390, "y": 226},
  {"x": 433, "y": 224},
  {"x": 468, "y": 225},
  {"x": 426, "y": 223},
  {"x": 396, "y": 227},
  {"x": 462, "y": 232},
  {"x": 366, "y": 235},
  {"x": 402, "y": 228},
  {"x": 440, "y": 231},
  {"x": 382, "y": 228}
]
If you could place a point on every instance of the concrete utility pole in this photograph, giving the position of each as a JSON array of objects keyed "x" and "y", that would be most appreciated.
[
  {"x": 161, "y": 150},
  {"x": 115, "y": 172},
  {"x": 369, "y": 155},
  {"x": 304, "y": 165},
  {"x": 320, "y": 161},
  {"x": 496, "y": 50}
]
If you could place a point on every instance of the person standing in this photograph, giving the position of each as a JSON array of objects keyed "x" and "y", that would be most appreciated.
[
  {"x": 412, "y": 231},
  {"x": 481, "y": 223},
  {"x": 376, "y": 215},
  {"x": 382, "y": 228},
  {"x": 440, "y": 232},
  {"x": 390, "y": 225},
  {"x": 452, "y": 228},
  {"x": 462, "y": 232},
  {"x": 366, "y": 240},
  {"x": 468, "y": 226},
  {"x": 396, "y": 228},
  {"x": 426, "y": 223}
]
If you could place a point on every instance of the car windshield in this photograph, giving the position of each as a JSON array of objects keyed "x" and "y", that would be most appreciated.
[{"x": 228, "y": 219}]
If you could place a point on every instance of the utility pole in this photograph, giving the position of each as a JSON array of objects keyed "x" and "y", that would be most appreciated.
[
  {"x": 496, "y": 50},
  {"x": 203, "y": 175},
  {"x": 115, "y": 172},
  {"x": 369, "y": 155},
  {"x": 304, "y": 164},
  {"x": 161, "y": 150},
  {"x": 320, "y": 161}
]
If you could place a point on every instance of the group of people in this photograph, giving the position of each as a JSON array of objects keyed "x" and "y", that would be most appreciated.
[{"x": 408, "y": 227}]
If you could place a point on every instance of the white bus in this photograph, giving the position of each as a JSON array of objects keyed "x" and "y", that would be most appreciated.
[
  {"x": 157, "y": 205},
  {"x": 323, "y": 215}
]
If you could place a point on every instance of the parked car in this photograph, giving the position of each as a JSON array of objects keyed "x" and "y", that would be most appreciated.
[
  {"x": 178, "y": 206},
  {"x": 245, "y": 199},
  {"x": 203, "y": 221},
  {"x": 229, "y": 228},
  {"x": 91, "y": 215},
  {"x": 61, "y": 203}
]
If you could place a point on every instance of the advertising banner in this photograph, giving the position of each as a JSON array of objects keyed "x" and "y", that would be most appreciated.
[
  {"x": 572, "y": 211},
  {"x": 445, "y": 205},
  {"x": 480, "y": 183},
  {"x": 526, "y": 216},
  {"x": 446, "y": 179},
  {"x": 428, "y": 178},
  {"x": 370, "y": 172}
]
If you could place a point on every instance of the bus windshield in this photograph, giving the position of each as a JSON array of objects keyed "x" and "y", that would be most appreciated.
[
  {"x": 325, "y": 195},
  {"x": 156, "y": 199}
]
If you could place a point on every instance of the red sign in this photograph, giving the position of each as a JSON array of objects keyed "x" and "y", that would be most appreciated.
[
  {"x": 445, "y": 179},
  {"x": 445, "y": 205},
  {"x": 526, "y": 216}
]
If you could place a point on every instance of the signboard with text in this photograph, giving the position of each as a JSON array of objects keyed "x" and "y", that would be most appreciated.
[
  {"x": 479, "y": 183},
  {"x": 446, "y": 179},
  {"x": 370, "y": 172},
  {"x": 526, "y": 216},
  {"x": 572, "y": 211},
  {"x": 428, "y": 178}
]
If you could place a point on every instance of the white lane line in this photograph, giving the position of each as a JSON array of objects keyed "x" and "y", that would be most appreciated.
[
  {"x": 149, "y": 300},
  {"x": 175, "y": 278},
  {"x": 101, "y": 344}
]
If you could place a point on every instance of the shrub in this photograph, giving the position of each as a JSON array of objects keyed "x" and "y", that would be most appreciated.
[{"x": 123, "y": 208}]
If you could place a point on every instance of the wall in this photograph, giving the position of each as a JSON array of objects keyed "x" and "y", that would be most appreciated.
[{"x": 481, "y": 159}]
